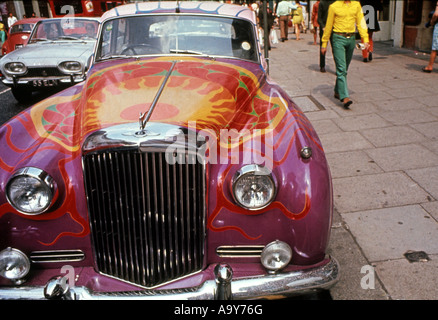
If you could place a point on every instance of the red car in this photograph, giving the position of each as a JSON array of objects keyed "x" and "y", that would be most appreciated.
[{"x": 19, "y": 34}]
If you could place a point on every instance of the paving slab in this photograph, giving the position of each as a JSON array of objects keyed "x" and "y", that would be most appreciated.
[
  {"x": 403, "y": 157},
  {"x": 350, "y": 164},
  {"x": 377, "y": 191},
  {"x": 409, "y": 281},
  {"x": 391, "y": 136},
  {"x": 427, "y": 178},
  {"x": 382, "y": 233}
]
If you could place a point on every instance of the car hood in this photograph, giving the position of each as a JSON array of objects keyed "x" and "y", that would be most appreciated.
[
  {"x": 18, "y": 37},
  {"x": 211, "y": 94},
  {"x": 49, "y": 51}
]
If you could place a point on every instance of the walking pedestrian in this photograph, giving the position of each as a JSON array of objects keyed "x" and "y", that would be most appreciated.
[
  {"x": 342, "y": 20},
  {"x": 270, "y": 23},
  {"x": 370, "y": 9},
  {"x": 322, "y": 19},
  {"x": 314, "y": 19},
  {"x": 433, "y": 54},
  {"x": 11, "y": 20},
  {"x": 297, "y": 19},
  {"x": 2, "y": 36},
  {"x": 283, "y": 12}
]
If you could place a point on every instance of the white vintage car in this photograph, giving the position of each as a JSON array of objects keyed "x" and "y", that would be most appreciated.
[{"x": 57, "y": 55}]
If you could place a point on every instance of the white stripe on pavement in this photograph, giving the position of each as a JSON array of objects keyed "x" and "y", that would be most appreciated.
[{"x": 4, "y": 91}]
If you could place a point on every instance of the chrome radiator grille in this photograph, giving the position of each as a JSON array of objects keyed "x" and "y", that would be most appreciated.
[{"x": 147, "y": 217}]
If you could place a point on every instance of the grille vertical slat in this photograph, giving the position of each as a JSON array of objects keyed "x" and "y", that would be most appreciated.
[{"x": 147, "y": 216}]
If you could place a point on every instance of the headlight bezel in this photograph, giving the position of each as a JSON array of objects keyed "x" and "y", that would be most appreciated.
[
  {"x": 255, "y": 171},
  {"x": 47, "y": 184},
  {"x": 63, "y": 67},
  {"x": 16, "y": 261},
  {"x": 15, "y": 72}
]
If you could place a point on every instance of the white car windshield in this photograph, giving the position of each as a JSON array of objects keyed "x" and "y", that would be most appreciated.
[
  {"x": 65, "y": 29},
  {"x": 177, "y": 34}
]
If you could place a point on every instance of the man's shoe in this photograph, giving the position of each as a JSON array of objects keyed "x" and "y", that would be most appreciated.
[
  {"x": 370, "y": 56},
  {"x": 365, "y": 59},
  {"x": 347, "y": 103},
  {"x": 322, "y": 69},
  {"x": 337, "y": 96}
]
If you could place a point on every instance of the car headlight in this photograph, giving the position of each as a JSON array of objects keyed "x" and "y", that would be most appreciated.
[
  {"x": 14, "y": 264},
  {"x": 30, "y": 191},
  {"x": 70, "y": 67},
  {"x": 276, "y": 255},
  {"x": 15, "y": 68},
  {"x": 253, "y": 187}
]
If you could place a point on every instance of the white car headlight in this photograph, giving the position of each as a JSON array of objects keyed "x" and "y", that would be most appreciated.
[
  {"x": 15, "y": 68},
  {"x": 276, "y": 255},
  {"x": 70, "y": 67},
  {"x": 253, "y": 187},
  {"x": 14, "y": 264},
  {"x": 30, "y": 191}
]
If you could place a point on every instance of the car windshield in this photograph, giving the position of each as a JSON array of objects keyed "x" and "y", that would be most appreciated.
[
  {"x": 65, "y": 29},
  {"x": 177, "y": 34},
  {"x": 18, "y": 28}
]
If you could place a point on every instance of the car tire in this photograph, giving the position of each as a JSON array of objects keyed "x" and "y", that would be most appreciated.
[{"x": 22, "y": 95}]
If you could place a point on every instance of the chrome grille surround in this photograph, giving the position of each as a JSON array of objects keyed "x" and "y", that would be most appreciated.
[{"x": 147, "y": 216}]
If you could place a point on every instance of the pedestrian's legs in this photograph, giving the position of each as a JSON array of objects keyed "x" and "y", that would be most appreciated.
[
  {"x": 433, "y": 54},
  {"x": 366, "y": 53},
  {"x": 343, "y": 49},
  {"x": 284, "y": 20},
  {"x": 321, "y": 56}
]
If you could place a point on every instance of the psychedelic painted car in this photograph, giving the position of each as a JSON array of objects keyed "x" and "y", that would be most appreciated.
[
  {"x": 56, "y": 56},
  {"x": 178, "y": 170}
]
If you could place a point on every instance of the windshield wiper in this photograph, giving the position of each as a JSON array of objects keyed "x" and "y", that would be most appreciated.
[
  {"x": 39, "y": 39},
  {"x": 116, "y": 56},
  {"x": 186, "y": 51},
  {"x": 67, "y": 38}
]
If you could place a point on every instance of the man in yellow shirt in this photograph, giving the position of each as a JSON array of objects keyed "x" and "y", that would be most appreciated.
[{"x": 342, "y": 19}]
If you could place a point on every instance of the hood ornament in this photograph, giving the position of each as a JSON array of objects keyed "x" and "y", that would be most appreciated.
[{"x": 145, "y": 117}]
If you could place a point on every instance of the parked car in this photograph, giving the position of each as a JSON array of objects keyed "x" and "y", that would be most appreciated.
[
  {"x": 57, "y": 55},
  {"x": 179, "y": 169},
  {"x": 19, "y": 34}
]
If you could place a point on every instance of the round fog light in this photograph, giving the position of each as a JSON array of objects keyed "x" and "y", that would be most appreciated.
[
  {"x": 14, "y": 264},
  {"x": 276, "y": 255}
]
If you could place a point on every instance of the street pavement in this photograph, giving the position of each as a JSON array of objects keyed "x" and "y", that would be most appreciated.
[{"x": 383, "y": 155}]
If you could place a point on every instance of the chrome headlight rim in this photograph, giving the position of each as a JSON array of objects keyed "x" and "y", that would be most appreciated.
[
  {"x": 63, "y": 67},
  {"x": 46, "y": 182},
  {"x": 14, "y": 72},
  {"x": 12, "y": 259},
  {"x": 276, "y": 256},
  {"x": 255, "y": 170}
]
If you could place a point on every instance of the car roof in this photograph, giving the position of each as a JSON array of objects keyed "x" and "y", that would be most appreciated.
[
  {"x": 28, "y": 21},
  {"x": 97, "y": 19},
  {"x": 198, "y": 7}
]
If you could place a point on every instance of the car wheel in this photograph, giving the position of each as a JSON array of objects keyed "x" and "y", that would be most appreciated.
[{"x": 22, "y": 95}]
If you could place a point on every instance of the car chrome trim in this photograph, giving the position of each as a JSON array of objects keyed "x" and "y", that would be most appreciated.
[
  {"x": 54, "y": 256},
  {"x": 271, "y": 286},
  {"x": 240, "y": 251}
]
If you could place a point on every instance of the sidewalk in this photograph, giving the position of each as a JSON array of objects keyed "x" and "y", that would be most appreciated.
[{"x": 383, "y": 155}]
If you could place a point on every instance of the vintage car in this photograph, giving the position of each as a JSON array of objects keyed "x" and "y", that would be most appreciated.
[
  {"x": 178, "y": 170},
  {"x": 57, "y": 55},
  {"x": 19, "y": 34}
]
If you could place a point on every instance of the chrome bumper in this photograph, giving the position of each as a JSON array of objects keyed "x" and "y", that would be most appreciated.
[{"x": 275, "y": 286}]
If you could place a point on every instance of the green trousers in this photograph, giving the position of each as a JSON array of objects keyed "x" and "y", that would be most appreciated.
[{"x": 343, "y": 49}]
